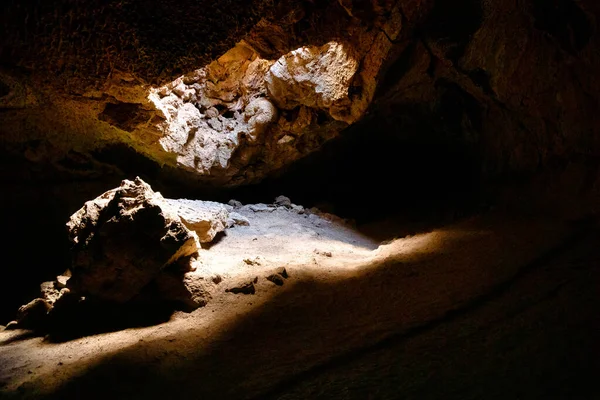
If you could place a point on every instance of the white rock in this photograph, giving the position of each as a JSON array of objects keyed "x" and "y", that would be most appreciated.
[
  {"x": 317, "y": 77},
  {"x": 260, "y": 113},
  {"x": 260, "y": 207},
  {"x": 206, "y": 218},
  {"x": 237, "y": 219}
]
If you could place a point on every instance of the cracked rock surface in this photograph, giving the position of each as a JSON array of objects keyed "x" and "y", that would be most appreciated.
[{"x": 123, "y": 239}]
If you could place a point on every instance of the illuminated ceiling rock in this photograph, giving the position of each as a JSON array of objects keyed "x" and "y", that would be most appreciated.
[
  {"x": 208, "y": 112},
  {"x": 234, "y": 121},
  {"x": 316, "y": 77},
  {"x": 243, "y": 116}
]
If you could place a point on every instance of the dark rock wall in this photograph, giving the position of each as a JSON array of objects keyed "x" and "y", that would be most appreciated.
[
  {"x": 477, "y": 92},
  {"x": 154, "y": 39}
]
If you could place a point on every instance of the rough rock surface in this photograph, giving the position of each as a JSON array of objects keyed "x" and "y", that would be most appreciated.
[
  {"x": 132, "y": 247},
  {"x": 216, "y": 120},
  {"x": 221, "y": 118},
  {"x": 123, "y": 239},
  {"x": 316, "y": 77},
  {"x": 517, "y": 82},
  {"x": 206, "y": 218}
]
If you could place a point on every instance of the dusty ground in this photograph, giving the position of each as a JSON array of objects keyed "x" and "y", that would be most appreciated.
[{"x": 494, "y": 306}]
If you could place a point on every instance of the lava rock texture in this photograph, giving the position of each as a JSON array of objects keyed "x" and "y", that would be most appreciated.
[{"x": 516, "y": 82}]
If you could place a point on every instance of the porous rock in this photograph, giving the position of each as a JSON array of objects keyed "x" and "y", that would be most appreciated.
[
  {"x": 123, "y": 239},
  {"x": 206, "y": 218},
  {"x": 51, "y": 291},
  {"x": 317, "y": 77}
]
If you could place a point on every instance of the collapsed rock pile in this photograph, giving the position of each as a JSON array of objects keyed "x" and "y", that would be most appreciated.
[
  {"x": 130, "y": 244},
  {"x": 135, "y": 251}
]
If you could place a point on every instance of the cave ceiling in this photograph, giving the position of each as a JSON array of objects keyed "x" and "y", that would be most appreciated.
[{"x": 230, "y": 92}]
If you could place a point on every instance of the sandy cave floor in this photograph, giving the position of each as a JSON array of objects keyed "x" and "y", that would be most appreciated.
[{"x": 474, "y": 306}]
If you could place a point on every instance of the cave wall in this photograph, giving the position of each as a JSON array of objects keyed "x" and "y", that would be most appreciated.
[
  {"x": 516, "y": 82},
  {"x": 476, "y": 93}
]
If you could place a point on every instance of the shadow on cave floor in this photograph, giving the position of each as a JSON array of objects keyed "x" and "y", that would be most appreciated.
[
  {"x": 385, "y": 335},
  {"x": 93, "y": 319},
  {"x": 505, "y": 313}
]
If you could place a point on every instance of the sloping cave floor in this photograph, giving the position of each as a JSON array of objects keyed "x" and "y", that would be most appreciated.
[
  {"x": 497, "y": 304},
  {"x": 432, "y": 286}
]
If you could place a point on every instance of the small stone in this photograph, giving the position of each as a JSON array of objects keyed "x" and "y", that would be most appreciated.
[
  {"x": 235, "y": 203},
  {"x": 323, "y": 253},
  {"x": 282, "y": 271},
  {"x": 283, "y": 201},
  {"x": 237, "y": 219},
  {"x": 260, "y": 207},
  {"x": 244, "y": 288},
  {"x": 217, "y": 279},
  {"x": 254, "y": 261},
  {"x": 212, "y": 112},
  {"x": 297, "y": 209},
  {"x": 276, "y": 279}
]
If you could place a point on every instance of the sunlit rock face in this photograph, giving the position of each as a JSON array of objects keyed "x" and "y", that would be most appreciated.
[
  {"x": 209, "y": 112},
  {"x": 222, "y": 119},
  {"x": 315, "y": 77},
  {"x": 296, "y": 78},
  {"x": 517, "y": 82}
]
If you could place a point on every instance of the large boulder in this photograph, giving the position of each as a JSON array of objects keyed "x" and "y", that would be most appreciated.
[{"x": 123, "y": 239}]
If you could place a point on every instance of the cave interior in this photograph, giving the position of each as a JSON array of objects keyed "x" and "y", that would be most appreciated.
[{"x": 438, "y": 238}]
